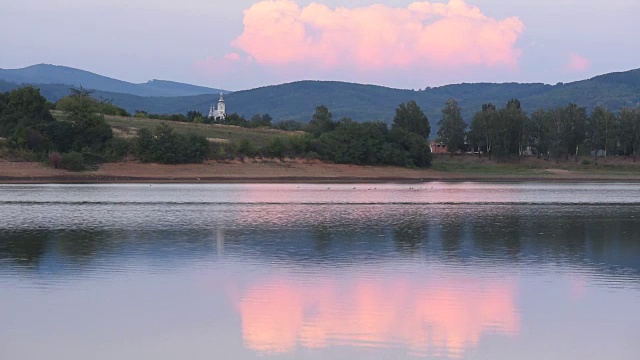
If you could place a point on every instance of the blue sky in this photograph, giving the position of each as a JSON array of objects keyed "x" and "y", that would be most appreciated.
[{"x": 207, "y": 42}]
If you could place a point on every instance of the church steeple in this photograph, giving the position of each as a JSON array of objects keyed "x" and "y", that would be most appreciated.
[{"x": 221, "y": 111}]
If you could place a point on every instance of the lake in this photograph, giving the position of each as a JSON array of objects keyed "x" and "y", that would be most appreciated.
[{"x": 334, "y": 271}]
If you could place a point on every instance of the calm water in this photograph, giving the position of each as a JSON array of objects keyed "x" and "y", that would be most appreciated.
[{"x": 434, "y": 270}]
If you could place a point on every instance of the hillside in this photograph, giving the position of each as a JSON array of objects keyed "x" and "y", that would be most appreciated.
[
  {"x": 298, "y": 100},
  {"x": 259, "y": 137},
  {"x": 368, "y": 102},
  {"x": 52, "y": 74}
]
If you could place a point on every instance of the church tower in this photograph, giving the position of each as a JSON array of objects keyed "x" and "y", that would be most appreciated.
[{"x": 222, "y": 111}]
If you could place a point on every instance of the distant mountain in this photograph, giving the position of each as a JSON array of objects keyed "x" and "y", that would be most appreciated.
[
  {"x": 53, "y": 74},
  {"x": 298, "y": 100},
  {"x": 368, "y": 102}
]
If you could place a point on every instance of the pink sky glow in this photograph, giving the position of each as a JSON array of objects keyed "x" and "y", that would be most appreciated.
[{"x": 577, "y": 63}]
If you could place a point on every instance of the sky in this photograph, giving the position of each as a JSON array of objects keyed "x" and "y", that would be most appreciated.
[{"x": 243, "y": 44}]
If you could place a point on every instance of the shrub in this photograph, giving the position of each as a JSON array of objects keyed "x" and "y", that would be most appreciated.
[
  {"x": 299, "y": 145},
  {"x": 245, "y": 148},
  {"x": 586, "y": 162},
  {"x": 117, "y": 149},
  {"x": 166, "y": 147},
  {"x": 193, "y": 149},
  {"x": 72, "y": 161},
  {"x": 275, "y": 149}
]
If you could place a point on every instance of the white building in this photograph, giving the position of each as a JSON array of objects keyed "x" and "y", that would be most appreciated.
[{"x": 220, "y": 113}]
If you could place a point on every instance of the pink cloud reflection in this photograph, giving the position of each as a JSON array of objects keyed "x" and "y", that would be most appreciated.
[{"x": 443, "y": 317}]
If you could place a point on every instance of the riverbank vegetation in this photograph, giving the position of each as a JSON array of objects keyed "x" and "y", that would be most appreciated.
[
  {"x": 557, "y": 133},
  {"x": 80, "y": 132},
  {"x": 86, "y": 132}
]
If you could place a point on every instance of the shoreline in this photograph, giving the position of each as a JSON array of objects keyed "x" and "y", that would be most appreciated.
[
  {"x": 454, "y": 178},
  {"x": 296, "y": 171}
]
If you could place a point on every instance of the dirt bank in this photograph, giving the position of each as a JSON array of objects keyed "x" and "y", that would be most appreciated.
[{"x": 290, "y": 171}]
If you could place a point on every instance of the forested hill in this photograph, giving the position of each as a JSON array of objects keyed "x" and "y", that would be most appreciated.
[
  {"x": 367, "y": 102},
  {"x": 53, "y": 74},
  {"x": 297, "y": 101}
]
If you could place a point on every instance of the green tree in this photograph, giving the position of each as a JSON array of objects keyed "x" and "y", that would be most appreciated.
[
  {"x": 275, "y": 149},
  {"x": 597, "y": 130},
  {"x": 23, "y": 108},
  {"x": 290, "y": 125},
  {"x": 417, "y": 149},
  {"x": 507, "y": 129},
  {"x": 193, "y": 115},
  {"x": 267, "y": 120},
  {"x": 411, "y": 118},
  {"x": 299, "y": 145},
  {"x": 517, "y": 121},
  {"x": 540, "y": 132},
  {"x": 258, "y": 120},
  {"x": 78, "y": 107},
  {"x": 452, "y": 128},
  {"x": 235, "y": 119},
  {"x": 255, "y": 121},
  {"x": 354, "y": 143},
  {"x": 482, "y": 131},
  {"x": 611, "y": 132},
  {"x": 321, "y": 121},
  {"x": 72, "y": 161},
  {"x": 193, "y": 149},
  {"x": 576, "y": 128},
  {"x": 164, "y": 146},
  {"x": 143, "y": 145},
  {"x": 629, "y": 131},
  {"x": 62, "y": 135},
  {"x": 89, "y": 128},
  {"x": 559, "y": 132}
]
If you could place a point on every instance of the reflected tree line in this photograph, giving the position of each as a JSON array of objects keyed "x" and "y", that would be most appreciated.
[{"x": 506, "y": 235}]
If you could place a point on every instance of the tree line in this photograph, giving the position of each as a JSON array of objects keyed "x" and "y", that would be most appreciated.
[
  {"x": 346, "y": 141},
  {"x": 81, "y": 137},
  {"x": 556, "y": 133},
  {"x": 193, "y": 116}
]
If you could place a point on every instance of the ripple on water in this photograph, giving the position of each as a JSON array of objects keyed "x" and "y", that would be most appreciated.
[{"x": 398, "y": 273}]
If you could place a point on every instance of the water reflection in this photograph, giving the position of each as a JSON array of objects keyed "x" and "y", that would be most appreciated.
[
  {"x": 319, "y": 273},
  {"x": 439, "y": 316},
  {"x": 602, "y": 237}
]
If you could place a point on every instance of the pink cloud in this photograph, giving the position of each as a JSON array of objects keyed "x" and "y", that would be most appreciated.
[
  {"x": 281, "y": 34},
  {"x": 232, "y": 57},
  {"x": 577, "y": 63},
  {"x": 215, "y": 66}
]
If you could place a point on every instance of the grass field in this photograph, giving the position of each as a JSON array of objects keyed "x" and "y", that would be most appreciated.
[
  {"x": 259, "y": 137},
  {"x": 532, "y": 166}
]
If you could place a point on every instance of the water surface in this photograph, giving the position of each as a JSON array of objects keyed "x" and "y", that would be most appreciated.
[{"x": 433, "y": 270}]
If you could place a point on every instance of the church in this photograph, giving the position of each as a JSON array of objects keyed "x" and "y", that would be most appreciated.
[{"x": 220, "y": 113}]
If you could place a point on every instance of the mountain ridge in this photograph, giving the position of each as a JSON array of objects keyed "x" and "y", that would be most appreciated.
[
  {"x": 58, "y": 74},
  {"x": 298, "y": 100}
]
